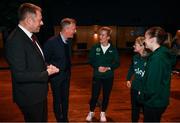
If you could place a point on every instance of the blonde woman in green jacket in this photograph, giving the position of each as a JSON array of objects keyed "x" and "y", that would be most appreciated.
[
  {"x": 104, "y": 59},
  {"x": 135, "y": 76}
]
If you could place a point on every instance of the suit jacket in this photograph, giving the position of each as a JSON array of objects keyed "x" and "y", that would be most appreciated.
[
  {"x": 28, "y": 69},
  {"x": 54, "y": 52}
]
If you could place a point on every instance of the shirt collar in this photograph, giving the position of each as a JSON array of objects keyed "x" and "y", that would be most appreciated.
[
  {"x": 29, "y": 34},
  {"x": 105, "y": 46},
  {"x": 63, "y": 39}
]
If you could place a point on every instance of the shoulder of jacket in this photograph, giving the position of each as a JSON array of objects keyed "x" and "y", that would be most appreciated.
[
  {"x": 52, "y": 40},
  {"x": 112, "y": 47},
  {"x": 95, "y": 46}
]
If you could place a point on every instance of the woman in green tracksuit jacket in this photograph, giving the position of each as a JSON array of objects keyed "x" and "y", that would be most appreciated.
[
  {"x": 137, "y": 71},
  {"x": 156, "y": 88},
  {"x": 104, "y": 59}
]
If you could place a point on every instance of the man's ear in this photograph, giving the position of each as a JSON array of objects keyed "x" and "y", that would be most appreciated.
[{"x": 29, "y": 20}]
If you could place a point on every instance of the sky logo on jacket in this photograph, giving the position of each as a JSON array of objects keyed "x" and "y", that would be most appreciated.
[{"x": 139, "y": 72}]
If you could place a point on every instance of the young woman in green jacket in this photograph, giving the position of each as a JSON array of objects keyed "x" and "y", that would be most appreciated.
[
  {"x": 156, "y": 89},
  {"x": 104, "y": 59}
]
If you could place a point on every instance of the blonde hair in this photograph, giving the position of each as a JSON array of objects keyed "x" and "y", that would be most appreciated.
[
  {"x": 140, "y": 40},
  {"x": 107, "y": 29}
]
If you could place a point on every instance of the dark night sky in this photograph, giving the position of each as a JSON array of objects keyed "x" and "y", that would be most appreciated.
[
  {"x": 111, "y": 12},
  {"x": 115, "y": 12},
  {"x": 122, "y": 12},
  {"x": 88, "y": 12}
]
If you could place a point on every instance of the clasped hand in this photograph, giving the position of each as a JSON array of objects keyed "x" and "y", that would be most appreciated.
[
  {"x": 102, "y": 69},
  {"x": 51, "y": 69}
]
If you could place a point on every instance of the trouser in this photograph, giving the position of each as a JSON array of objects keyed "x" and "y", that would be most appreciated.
[
  {"x": 106, "y": 84},
  {"x": 153, "y": 114},
  {"x": 61, "y": 99},
  {"x": 135, "y": 105},
  {"x": 36, "y": 112}
]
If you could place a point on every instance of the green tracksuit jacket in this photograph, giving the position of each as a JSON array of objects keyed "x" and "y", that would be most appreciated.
[
  {"x": 98, "y": 58},
  {"x": 137, "y": 68},
  {"x": 157, "y": 78}
]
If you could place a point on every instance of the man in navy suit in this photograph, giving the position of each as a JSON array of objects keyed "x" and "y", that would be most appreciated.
[
  {"x": 28, "y": 69},
  {"x": 57, "y": 51}
]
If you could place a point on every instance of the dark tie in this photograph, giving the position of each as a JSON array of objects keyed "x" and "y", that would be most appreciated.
[
  {"x": 34, "y": 38},
  {"x": 37, "y": 46}
]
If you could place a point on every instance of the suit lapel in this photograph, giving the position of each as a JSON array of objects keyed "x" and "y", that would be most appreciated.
[
  {"x": 29, "y": 41},
  {"x": 38, "y": 50}
]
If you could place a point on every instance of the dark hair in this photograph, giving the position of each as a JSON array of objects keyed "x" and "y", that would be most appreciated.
[
  {"x": 157, "y": 32},
  {"x": 27, "y": 8},
  {"x": 67, "y": 21}
]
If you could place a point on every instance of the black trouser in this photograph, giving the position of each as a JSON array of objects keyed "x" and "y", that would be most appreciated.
[
  {"x": 135, "y": 105},
  {"x": 36, "y": 112},
  {"x": 153, "y": 114},
  {"x": 61, "y": 99},
  {"x": 106, "y": 84}
]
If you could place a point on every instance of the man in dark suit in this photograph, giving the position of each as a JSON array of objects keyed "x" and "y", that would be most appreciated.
[
  {"x": 28, "y": 69},
  {"x": 57, "y": 51}
]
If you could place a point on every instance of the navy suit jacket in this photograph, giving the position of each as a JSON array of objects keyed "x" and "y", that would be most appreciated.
[
  {"x": 54, "y": 52},
  {"x": 28, "y": 69}
]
